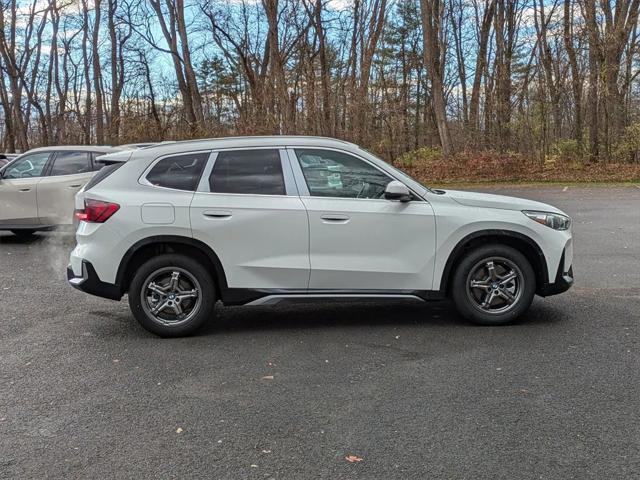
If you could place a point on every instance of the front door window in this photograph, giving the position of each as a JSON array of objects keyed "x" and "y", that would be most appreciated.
[
  {"x": 28, "y": 166},
  {"x": 329, "y": 173}
]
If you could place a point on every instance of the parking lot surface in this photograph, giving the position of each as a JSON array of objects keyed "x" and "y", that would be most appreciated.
[{"x": 373, "y": 391}]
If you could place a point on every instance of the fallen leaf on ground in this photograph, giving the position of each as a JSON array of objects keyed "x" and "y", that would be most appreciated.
[{"x": 353, "y": 459}]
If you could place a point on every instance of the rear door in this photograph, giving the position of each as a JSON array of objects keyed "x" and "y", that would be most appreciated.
[
  {"x": 248, "y": 210},
  {"x": 18, "y": 194},
  {"x": 68, "y": 173}
]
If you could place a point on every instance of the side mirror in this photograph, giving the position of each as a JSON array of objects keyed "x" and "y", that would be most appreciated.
[{"x": 397, "y": 191}]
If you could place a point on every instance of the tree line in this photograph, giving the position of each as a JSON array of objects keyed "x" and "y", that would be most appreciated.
[{"x": 528, "y": 76}]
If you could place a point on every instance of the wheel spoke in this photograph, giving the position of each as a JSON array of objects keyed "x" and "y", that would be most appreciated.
[
  {"x": 508, "y": 277},
  {"x": 483, "y": 284},
  {"x": 173, "y": 283},
  {"x": 184, "y": 294},
  {"x": 159, "y": 307},
  {"x": 488, "y": 299},
  {"x": 156, "y": 288},
  {"x": 507, "y": 295},
  {"x": 493, "y": 275},
  {"x": 177, "y": 309}
]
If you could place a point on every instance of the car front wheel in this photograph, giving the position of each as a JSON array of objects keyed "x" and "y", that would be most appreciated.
[
  {"x": 493, "y": 285},
  {"x": 172, "y": 295}
]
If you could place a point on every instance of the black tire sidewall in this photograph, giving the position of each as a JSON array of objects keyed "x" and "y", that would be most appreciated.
[
  {"x": 208, "y": 295},
  {"x": 459, "y": 287}
]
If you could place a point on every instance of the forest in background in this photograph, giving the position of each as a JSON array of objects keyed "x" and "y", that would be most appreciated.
[{"x": 482, "y": 84}]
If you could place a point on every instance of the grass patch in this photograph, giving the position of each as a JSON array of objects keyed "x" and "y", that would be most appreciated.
[{"x": 430, "y": 167}]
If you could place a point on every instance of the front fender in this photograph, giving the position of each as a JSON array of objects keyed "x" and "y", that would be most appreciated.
[{"x": 454, "y": 230}]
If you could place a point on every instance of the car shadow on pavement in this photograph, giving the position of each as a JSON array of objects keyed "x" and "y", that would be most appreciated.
[
  {"x": 242, "y": 319},
  {"x": 11, "y": 239},
  {"x": 330, "y": 315},
  {"x": 440, "y": 314},
  {"x": 59, "y": 237}
]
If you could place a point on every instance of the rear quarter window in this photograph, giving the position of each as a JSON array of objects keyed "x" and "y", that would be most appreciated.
[{"x": 180, "y": 172}]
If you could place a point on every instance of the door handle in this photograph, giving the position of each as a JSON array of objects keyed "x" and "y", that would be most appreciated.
[
  {"x": 25, "y": 189},
  {"x": 219, "y": 214},
  {"x": 334, "y": 218},
  {"x": 75, "y": 186}
]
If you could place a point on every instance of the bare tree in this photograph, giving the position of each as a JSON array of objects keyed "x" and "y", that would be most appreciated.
[{"x": 435, "y": 48}]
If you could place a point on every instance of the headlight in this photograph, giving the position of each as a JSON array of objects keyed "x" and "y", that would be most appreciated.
[{"x": 556, "y": 221}]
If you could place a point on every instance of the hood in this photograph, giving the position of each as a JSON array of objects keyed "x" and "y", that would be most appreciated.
[{"x": 487, "y": 200}]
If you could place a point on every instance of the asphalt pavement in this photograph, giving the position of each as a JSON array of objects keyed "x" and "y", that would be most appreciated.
[{"x": 373, "y": 391}]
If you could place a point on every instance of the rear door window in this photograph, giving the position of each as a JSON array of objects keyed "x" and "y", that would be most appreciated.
[
  {"x": 180, "y": 172},
  {"x": 70, "y": 163},
  {"x": 249, "y": 172}
]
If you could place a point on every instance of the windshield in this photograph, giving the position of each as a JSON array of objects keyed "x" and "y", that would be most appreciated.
[{"x": 10, "y": 161}]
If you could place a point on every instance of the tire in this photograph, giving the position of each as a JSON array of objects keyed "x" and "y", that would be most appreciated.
[
  {"x": 160, "y": 271},
  {"x": 511, "y": 298},
  {"x": 24, "y": 234}
]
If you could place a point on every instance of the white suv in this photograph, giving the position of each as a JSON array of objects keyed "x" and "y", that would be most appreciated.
[
  {"x": 260, "y": 220},
  {"x": 38, "y": 187}
]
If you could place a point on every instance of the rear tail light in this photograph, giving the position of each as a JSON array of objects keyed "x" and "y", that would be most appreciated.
[{"x": 96, "y": 211}]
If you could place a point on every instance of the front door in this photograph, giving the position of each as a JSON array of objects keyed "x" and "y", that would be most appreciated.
[
  {"x": 248, "y": 210},
  {"x": 18, "y": 196},
  {"x": 358, "y": 239}
]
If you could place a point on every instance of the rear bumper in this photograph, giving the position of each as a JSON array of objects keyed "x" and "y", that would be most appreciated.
[{"x": 89, "y": 282}]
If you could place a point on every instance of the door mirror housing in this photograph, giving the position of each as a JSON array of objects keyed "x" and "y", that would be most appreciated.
[{"x": 397, "y": 191}]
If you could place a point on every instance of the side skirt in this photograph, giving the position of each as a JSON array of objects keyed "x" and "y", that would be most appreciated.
[{"x": 242, "y": 296}]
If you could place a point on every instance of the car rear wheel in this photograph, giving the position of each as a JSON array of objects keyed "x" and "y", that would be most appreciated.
[
  {"x": 172, "y": 295},
  {"x": 493, "y": 285}
]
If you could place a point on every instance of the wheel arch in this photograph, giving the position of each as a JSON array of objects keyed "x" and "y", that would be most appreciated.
[
  {"x": 524, "y": 244},
  {"x": 148, "y": 247}
]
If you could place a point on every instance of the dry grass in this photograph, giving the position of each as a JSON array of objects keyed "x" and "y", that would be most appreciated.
[{"x": 429, "y": 166}]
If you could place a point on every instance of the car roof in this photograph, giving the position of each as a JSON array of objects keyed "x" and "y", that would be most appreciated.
[
  {"x": 75, "y": 148},
  {"x": 128, "y": 146},
  {"x": 250, "y": 141}
]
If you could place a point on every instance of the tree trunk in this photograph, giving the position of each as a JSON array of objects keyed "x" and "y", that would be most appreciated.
[
  {"x": 97, "y": 74},
  {"x": 432, "y": 16}
]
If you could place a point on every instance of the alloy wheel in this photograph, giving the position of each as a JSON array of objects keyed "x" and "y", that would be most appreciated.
[
  {"x": 494, "y": 285},
  {"x": 171, "y": 296}
]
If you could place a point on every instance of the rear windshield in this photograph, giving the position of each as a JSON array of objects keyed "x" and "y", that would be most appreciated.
[{"x": 103, "y": 173}]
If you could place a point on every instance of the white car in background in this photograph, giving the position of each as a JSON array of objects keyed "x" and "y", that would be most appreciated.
[
  {"x": 37, "y": 188},
  {"x": 261, "y": 220}
]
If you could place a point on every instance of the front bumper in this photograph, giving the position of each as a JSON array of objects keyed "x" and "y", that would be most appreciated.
[
  {"x": 89, "y": 282},
  {"x": 562, "y": 283}
]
